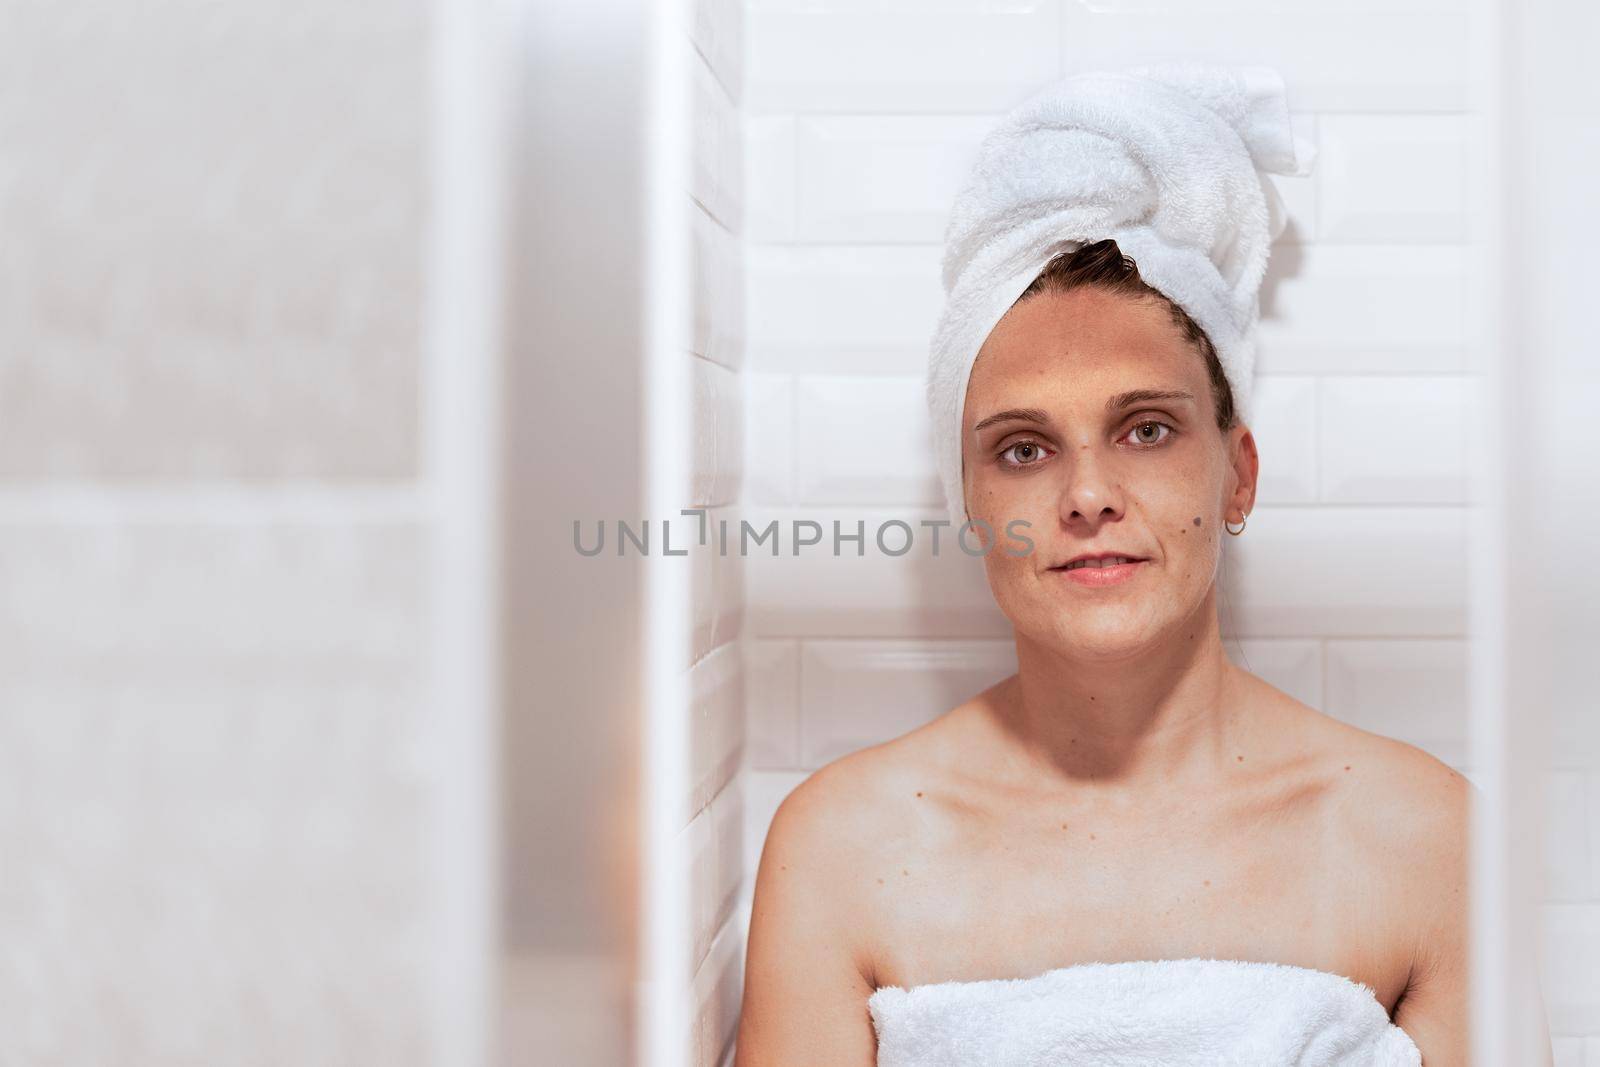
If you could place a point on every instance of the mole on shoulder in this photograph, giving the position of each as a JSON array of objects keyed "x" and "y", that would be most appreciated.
[
  {"x": 904, "y": 871},
  {"x": 880, "y": 881},
  {"x": 1347, "y": 766},
  {"x": 1091, "y": 836},
  {"x": 1208, "y": 881},
  {"x": 1239, "y": 758},
  {"x": 1063, "y": 826},
  {"x": 1197, "y": 520},
  {"x": 919, "y": 792}
]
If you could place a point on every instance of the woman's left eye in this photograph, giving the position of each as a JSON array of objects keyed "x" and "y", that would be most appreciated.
[{"x": 1150, "y": 424}]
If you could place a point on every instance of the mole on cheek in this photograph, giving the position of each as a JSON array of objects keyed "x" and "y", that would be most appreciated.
[{"x": 1197, "y": 520}]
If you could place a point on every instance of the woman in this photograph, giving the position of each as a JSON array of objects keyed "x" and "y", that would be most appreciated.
[{"x": 1129, "y": 794}]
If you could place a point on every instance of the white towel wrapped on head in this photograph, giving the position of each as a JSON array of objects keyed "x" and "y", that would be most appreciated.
[
  {"x": 1142, "y": 1013},
  {"x": 1165, "y": 159}
]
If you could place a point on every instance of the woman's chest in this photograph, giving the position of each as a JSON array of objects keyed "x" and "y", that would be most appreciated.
[{"x": 1022, "y": 897}]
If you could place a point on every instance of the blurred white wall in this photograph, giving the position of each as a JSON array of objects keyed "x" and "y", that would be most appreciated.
[
  {"x": 1536, "y": 580},
  {"x": 220, "y": 764},
  {"x": 579, "y": 237},
  {"x": 625, "y": 402}
]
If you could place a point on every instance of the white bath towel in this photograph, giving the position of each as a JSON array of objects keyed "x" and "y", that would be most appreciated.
[
  {"x": 1171, "y": 1013},
  {"x": 1167, "y": 160}
]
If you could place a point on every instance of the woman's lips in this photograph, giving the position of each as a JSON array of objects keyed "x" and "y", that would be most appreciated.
[{"x": 1101, "y": 576}]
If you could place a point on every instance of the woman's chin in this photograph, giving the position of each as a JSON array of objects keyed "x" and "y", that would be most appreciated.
[{"x": 1109, "y": 640}]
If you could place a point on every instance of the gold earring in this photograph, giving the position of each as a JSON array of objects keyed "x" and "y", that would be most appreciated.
[{"x": 1231, "y": 530}]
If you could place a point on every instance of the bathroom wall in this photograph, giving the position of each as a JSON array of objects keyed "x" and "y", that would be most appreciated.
[
  {"x": 713, "y": 838},
  {"x": 220, "y": 769},
  {"x": 236, "y": 559},
  {"x": 1349, "y": 587}
]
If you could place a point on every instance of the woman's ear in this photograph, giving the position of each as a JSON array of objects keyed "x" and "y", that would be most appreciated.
[{"x": 1246, "y": 468}]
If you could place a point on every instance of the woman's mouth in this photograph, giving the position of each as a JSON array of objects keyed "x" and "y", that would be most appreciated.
[{"x": 1103, "y": 571}]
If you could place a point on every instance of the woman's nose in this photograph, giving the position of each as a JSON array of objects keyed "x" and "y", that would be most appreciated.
[{"x": 1091, "y": 492}]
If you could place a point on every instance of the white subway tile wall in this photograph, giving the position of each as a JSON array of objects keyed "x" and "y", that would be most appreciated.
[
  {"x": 1285, "y": 430},
  {"x": 1349, "y": 588},
  {"x": 1412, "y": 301},
  {"x": 1294, "y": 665},
  {"x": 841, "y": 309},
  {"x": 1393, "y": 178},
  {"x": 842, "y": 56},
  {"x": 1413, "y": 690},
  {"x": 855, "y": 693},
  {"x": 713, "y": 836},
  {"x": 772, "y": 677}
]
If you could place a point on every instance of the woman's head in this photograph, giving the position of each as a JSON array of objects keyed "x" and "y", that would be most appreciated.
[{"x": 1097, "y": 412}]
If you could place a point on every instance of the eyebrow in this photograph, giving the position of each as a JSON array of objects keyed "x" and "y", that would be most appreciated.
[
  {"x": 1014, "y": 415},
  {"x": 1140, "y": 396},
  {"x": 1115, "y": 404}
]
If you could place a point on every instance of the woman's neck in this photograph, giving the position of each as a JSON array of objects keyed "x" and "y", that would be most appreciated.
[{"x": 1170, "y": 717}]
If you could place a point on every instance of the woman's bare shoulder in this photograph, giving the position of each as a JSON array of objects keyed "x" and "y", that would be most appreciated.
[
  {"x": 864, "y": 796},
  {"x": 836, "y": 840},
  {"x": 818, "y": 911},
  {"x": 1390, "y": 798},
  {"x": 1412, "y": 807},
  {"x": 1406, "y": 819}
]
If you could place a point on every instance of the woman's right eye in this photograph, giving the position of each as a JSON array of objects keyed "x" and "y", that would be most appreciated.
[{"x": 1023, "y": 453}]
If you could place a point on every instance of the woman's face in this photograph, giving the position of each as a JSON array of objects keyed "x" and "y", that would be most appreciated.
[{"x": 1059, "y": 430}]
